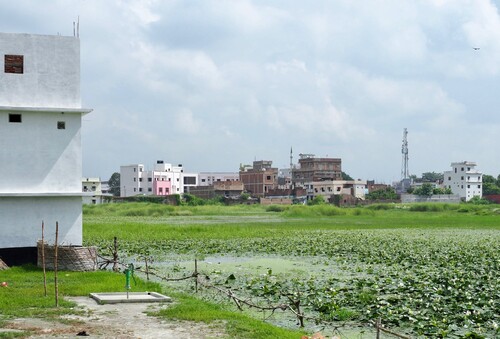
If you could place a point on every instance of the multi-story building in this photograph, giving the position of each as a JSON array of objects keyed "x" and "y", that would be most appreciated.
[
  {"x": 316, "y": 169},
  {"x": 40, "y": 133},
  {"x": 93, "y": 191},
  {"x": 210, "y": 178},
  {"x": 260, "y": 178},
  {"x": 164, "y": 179},
  {"x": 329, "y": 188},
  {"x": 464, "y": 180}
]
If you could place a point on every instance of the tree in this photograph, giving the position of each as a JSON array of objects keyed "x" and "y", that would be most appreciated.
[
  {"x": 317, "y": 200},
  {"x": 387, "y": 193},
  {"x": 425, "y": 190},
  {"x": 114, "y": 184},
  {"x": 432, "y": 176},
  {"x": 490, "y": 185},
  {"x": 445, "y": 190},
  {"x": 346, "y": 176}
]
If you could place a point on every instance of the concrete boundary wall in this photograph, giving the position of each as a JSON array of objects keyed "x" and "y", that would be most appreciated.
[{"x": 442, "y": 198}]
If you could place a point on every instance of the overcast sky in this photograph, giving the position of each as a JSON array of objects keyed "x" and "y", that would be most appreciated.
[{"x": 212, "y": 84}]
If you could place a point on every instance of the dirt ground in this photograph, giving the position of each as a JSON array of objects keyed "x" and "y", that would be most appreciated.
[{"x": 115, "y": 321}]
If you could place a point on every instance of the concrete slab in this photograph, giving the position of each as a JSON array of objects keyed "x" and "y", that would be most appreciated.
[{"x": 131, "y": 297}]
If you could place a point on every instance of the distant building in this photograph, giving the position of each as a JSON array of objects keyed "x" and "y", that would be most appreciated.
[
  {"x": 164, "y": 179},
  {"x": 226, "y": 189},
  {"x": 316, "y": 169},
  {"x": 210, "y": 178},
  {"x": 260, "y": 178},
  {"x": 464, "y": 180},
  {"x": 329, "y": 188},
  {"x": 40, "y": 134},
  {"x": 93, "y": 191}
]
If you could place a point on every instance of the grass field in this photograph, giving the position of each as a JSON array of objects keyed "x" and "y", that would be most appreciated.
[{"x": 428, "y": 270}]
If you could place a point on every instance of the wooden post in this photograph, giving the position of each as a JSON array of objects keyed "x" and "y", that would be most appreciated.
[
  {"x": 196, "y": 275},
  {"x": 378, "y": 325},
  {"x": 147, "y": 270},
  {"x": 115, "y": 255},
  {"x": 56, "y": 287},
  {"x": 43, "y": 261}
]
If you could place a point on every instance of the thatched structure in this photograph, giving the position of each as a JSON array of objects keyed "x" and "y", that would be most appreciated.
[{"x": 69, "y": 258}]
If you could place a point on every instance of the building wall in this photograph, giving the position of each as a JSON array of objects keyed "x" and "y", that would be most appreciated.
[
  {"x": 329, "y": 188},
  {"x": 38, "y": 157},
  {"x": 317, "y": 169},
  {"x": 21, "y": 220},
  {"x": 51, "y": 76},
  {"x": 40, "y": 138},
  {"x": 464, "y": 180},
  {"x": 209, "y": 178}
]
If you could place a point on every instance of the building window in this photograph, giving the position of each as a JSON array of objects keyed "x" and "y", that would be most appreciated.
[
  {"x": 449, "y": 178},
  {"x": 462, "y": 169},
  {"x": 468, "y": 186},
  {"x": 150, "y": 189},
  {"x": 140, "y": 179},
  {"x": 478, "y": 186},
  {"x": 150, "y": 179},
  {"x": 462, "y": 178},
  {"x": 135, "y": 189},
  {"x": 140, "y": 189},
  {"x": 14, "y": 64},
  {"x": 135, "y": 179},
  {"x": 61, "y": 125},
  {"x": 160, "y": 190},
  {"x": 455, "y": 170},
  {"x": 15, "y": 118},
  {"x": 268, "y": 177},
  {"x": 134, "y": 169}
]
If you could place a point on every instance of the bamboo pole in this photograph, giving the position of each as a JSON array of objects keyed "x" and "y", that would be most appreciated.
[
  {"x": 196, "y": 275},
  {"x": 43, "y": 261},
  {"x": 115, "y": 255},
  {"x": 147, "y": 269},
  {"x": 56, "y": 287}
]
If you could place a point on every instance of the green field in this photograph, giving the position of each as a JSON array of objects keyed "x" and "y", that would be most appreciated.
[{"x": 425, "y": 270}]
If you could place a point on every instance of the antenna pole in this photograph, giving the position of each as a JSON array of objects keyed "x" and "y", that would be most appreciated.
[{"x": 404, "y": 162}]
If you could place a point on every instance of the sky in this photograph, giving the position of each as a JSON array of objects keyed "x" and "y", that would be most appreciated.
[{"x": 214, "y": 84}]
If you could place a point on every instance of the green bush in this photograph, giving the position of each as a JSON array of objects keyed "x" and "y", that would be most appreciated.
[{"x": 276, "y": 208}]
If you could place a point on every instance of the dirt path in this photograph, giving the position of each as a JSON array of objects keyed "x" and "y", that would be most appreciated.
[{"x": 115, "y": 321}]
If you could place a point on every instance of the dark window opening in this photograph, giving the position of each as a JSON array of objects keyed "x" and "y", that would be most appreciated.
[
  {"x": 14, "y": 64},
  {"x": 61, "y": 125},
  {"x": 15, "y": 118}
]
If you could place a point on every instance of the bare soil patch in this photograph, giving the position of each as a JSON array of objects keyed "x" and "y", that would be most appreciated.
[{"x": 115, "y": 321}]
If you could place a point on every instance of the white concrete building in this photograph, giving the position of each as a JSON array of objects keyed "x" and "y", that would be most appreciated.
[
  {"x": 210, "y": 178},
  {"x": 41, "y": 153},
  {"x": 163, "y": 179},
  {"x": 328, "y": 188},
  {"x": 93, "y": 193},
  {"x": 464, "y": 180}
]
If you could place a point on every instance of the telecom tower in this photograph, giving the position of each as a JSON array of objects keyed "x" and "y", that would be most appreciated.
[{"x": 404, "y": 150}]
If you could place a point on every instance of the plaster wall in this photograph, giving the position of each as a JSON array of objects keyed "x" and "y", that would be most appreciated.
[
  {"x": 37, "y": 157},
  {"x": 27, "y": 214},
  {"x": 51, "y": 76}
]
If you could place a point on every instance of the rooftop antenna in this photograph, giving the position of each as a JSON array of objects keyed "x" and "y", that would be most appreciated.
[
  {"x": 291, "y": 158},
  {"x": 404, "y": 150}
]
